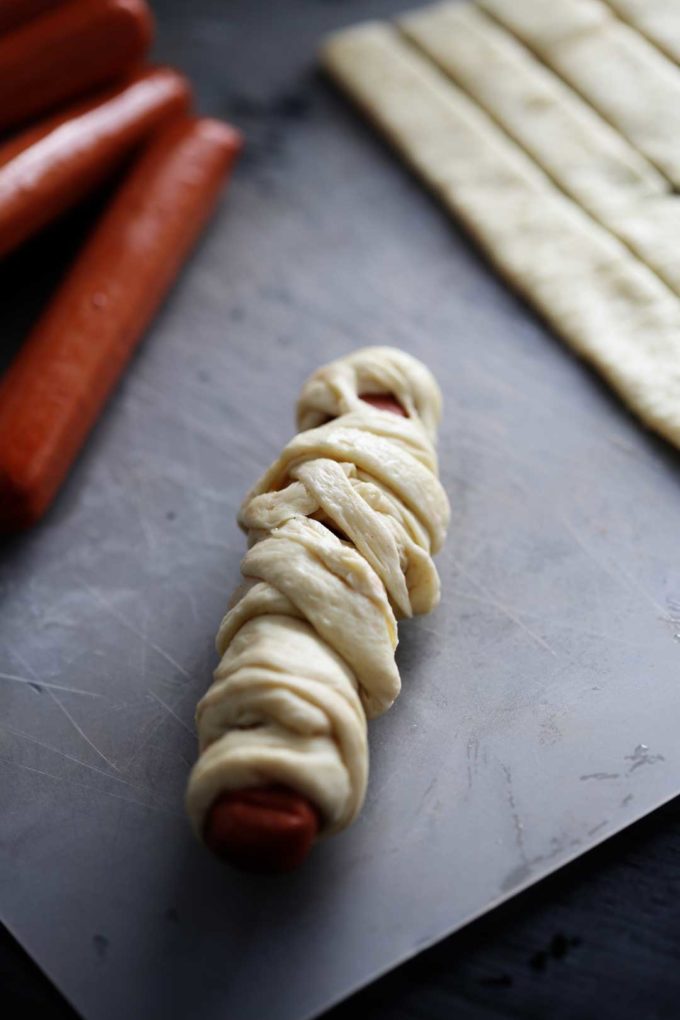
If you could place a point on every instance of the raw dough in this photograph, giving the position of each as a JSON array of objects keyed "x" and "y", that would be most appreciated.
[
  {"x": 602, "y": 300},
  {"x": 580, "y": 150},
  {"x": 659, "y": 20},
  {"x": 616, "y": 69},
  {"x": 582, "y": 153},
  {"x": 307, "y": 651}
]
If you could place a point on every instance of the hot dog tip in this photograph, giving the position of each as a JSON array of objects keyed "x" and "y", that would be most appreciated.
[{"x": 267, "y": 829}]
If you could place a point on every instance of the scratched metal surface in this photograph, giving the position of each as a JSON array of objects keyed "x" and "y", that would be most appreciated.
[{"x": 540, "y": 703}]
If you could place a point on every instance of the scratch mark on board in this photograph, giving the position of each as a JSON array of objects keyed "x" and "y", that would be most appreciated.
[
  {"x": 615, "y": 572},
  {"x": 195, "y": 461},
  {"x": 155, "y": 806},
  {"x": 42, "y": 684},
  {"x": 146, "y": 526},
  {"x": 556, "y": 623},
  {"x": 192, "y": 604},
  {"x": 63, "y": 754},
  {"x": 471, "y": 755},
  {"x": 117, "y": 615},
  {"x": 190, "y": 423},
  {"x": 174, "y": 715},
  {"x": 505, "y": 610},
  {"x": 81, "y": 731}
]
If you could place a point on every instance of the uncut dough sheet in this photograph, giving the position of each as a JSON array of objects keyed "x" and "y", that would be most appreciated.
[{"x": 540, "y": 701}]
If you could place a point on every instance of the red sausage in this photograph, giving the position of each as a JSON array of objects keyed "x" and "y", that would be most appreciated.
[
  {"x": 59, "y": 381},
  {"x": 49, "y": 168},
  {"x": 16, "y": 12},
  {"x": 270, "y": 828},
  {"x": 384, "y": 402},
  {"x": 79, "y": 46}
]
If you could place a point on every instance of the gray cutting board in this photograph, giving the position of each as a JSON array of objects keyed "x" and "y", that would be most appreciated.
[{"x": 541, "y": 701}]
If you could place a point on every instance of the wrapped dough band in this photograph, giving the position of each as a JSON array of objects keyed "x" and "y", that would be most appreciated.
[
  {"x": 270, "y": 828},
  {"x": 340, "y": 530}
]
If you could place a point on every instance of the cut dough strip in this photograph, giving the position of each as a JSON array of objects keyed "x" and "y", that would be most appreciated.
[
  {"x": 616, "y": 69},
  {"x": 604, "y": 302},
  {"x": 659, "y": 20},
  {"x": 580, "y": 150},
  {"x": 583, "y": 154}
]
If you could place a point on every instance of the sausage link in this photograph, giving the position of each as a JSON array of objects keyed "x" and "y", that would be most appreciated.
[
  {"x": 49, "y": 168},
  {"x": 59, "y": 381},
  {"x": 16, "y": 12},
  {"x": 80, "y": 46}
]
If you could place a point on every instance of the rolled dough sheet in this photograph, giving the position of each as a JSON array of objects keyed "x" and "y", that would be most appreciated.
[
  {"x": 615, "y": 68},
  {"x": 659, "y": 20},
  {"x": 581, "y": 152},
  {"x": 610, "y": 307}
]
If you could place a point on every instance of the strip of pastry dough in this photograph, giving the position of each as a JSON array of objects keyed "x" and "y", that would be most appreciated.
[
  {"x": 580, "y": 150},
  {"x": 583, "y": 154},
  {"x": 616, "y": 69},
  {"x": 307, "y": 650},
  {"x": 659, "y": 20},
  {"x": 602, "y": 300}
]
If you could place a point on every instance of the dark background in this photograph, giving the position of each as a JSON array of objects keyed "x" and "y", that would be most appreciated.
[{"x": 601, "y": 937}]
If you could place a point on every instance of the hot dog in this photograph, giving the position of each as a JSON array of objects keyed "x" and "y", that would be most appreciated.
[
  {"x": 270, "y": 828},
  {"x": 266, "y": 829},
  {"x": 49, "y": 168},
  {"x": 16, "y": 12},
  {"x": 56, "y": 386},
  {"x": 79, "y": 46}
]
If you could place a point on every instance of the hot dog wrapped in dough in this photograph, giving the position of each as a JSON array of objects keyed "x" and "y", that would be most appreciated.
[{"x": 341, "y": 531}]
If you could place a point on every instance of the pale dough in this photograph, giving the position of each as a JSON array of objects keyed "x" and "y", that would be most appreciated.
[
  {"x": 307, "y": 650},
  {"x": 616, "y": 69},
  {"x": 659, "y": 20},
  {"x": 580, "y": 150},
  {"x": 604, "y": 302},
  {"x": 582, "y": 153}
]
